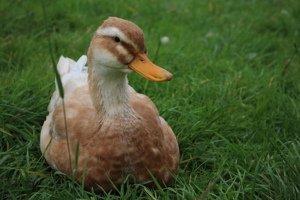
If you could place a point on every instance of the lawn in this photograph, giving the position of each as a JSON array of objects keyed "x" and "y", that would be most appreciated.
[{"x": 234, "y": 101}]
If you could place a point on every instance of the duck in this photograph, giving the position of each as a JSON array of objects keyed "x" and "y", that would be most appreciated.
[{"x": 109, "y": 131}]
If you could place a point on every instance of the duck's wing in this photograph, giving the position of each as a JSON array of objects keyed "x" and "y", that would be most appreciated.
[{"x": 148, "y": 111}]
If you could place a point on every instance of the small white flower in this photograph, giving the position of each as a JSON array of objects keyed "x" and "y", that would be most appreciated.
[
  {"x": 285, "y": 12},
  {"x": 209, "y": 34},
  {"x": 164, "y": 39},
  {"x": 252, "y": 55}
]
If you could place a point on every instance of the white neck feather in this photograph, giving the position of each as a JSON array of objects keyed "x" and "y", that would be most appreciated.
[{"x": 110, "y": 92}]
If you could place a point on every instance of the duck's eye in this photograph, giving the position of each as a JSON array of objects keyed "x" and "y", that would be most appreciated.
[{"x": 117, "y": 39}]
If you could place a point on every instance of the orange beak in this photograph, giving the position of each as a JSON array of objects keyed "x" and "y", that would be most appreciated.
[{"x": 142, "y": 65}]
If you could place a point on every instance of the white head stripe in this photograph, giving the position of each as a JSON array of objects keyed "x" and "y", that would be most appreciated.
[{"x": 113, "y": 31}]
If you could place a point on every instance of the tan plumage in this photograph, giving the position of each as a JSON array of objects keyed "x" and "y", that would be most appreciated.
[{"x": 119, "y": 131}]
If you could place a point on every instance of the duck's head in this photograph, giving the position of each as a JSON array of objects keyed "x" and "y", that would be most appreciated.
[{"x": 119, "y": 44}]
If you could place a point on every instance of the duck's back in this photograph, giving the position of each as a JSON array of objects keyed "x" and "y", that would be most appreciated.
[{"x": 77, "y": 104}]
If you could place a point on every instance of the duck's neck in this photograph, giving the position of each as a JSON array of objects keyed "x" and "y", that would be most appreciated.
[{"x": 109, "y": 91}]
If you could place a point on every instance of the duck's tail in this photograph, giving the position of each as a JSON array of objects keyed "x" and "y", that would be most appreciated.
[
  {"x": 69, "y": 71},
  {"x": 67, "y": 68},
  {"x": 66, "y": 65}
]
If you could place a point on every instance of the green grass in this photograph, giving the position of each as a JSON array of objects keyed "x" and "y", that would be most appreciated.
[{"x": 234, "y": 101}]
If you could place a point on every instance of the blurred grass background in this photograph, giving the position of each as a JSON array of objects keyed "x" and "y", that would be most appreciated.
[{"x": 233, "y": 102}]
